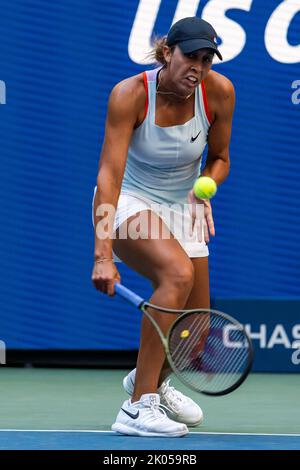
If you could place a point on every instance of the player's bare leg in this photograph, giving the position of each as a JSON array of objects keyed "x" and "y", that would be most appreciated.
[
  {"x": 199, "y": 298},
  {"x": 166, "y": 265}
]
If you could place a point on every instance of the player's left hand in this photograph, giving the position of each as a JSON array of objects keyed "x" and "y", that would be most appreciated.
[{"x": 207, "y": 220}]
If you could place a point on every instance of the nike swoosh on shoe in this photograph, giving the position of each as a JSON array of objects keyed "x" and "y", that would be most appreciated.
[{"x": 131, "y": 415}]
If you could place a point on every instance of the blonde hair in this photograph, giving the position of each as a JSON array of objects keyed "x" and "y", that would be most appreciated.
[{"x": 157, "y": 54}]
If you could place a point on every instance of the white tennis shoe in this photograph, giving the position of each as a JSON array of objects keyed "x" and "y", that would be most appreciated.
[
  {"x": 147, "y": 417},
  {"x": 178, "y": 406}
]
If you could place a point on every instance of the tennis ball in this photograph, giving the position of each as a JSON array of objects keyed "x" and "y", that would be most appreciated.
[
  {"x": 205, "y": 187},
  {"x": 184, "y": 334}
]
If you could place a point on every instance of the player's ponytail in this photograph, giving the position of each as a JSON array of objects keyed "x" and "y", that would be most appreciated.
[{"x": 157, "y": 54}]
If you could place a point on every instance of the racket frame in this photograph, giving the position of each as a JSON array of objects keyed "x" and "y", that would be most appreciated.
[
  {"x": 142, "y": 305},
  {"x": 233, "y": 321}
]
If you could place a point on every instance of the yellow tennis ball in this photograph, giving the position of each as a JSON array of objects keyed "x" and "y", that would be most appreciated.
[
  {"x": 184, "y": 334},
  {"x": 205, "y": 187}
]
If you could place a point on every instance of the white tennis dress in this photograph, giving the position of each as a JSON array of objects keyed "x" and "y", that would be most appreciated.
[{"x": 162, "y": 166}]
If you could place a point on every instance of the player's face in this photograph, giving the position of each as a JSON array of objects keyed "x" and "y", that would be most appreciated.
[{"x": 188, "y": 70}]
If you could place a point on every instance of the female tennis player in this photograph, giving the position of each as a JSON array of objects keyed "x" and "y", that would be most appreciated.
[{"x": 158, "y": 125}]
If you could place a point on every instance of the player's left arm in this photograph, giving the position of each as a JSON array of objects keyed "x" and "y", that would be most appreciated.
[{"x": 217, "y": 161}]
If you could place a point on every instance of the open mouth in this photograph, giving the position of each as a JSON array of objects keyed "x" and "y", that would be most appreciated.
[{"x": 192, "y": 81}]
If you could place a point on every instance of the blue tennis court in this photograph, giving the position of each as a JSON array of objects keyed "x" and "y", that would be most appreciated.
[{"x": 105, "y": 440}]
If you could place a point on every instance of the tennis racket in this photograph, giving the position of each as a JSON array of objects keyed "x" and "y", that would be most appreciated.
[{"x": 209, "y": 351}]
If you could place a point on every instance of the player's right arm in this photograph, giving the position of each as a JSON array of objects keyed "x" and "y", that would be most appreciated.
[{"x": 122, "y": 117}]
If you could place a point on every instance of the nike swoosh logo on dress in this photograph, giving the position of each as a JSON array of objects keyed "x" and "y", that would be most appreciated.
[
  {"x": 130, "y": 414},
  {"x": 194, "y": 138}
]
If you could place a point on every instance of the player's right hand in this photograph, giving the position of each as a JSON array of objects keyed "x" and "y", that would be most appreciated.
[
  {"x": 104, "y": 276},
  {"x": 207, "y": 221}
]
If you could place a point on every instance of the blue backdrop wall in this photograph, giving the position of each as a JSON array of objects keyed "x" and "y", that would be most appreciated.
[{"x": 59, "y": 61}]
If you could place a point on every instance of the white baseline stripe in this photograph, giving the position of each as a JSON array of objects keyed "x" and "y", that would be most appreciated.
[{"x": 112, "y": 432}]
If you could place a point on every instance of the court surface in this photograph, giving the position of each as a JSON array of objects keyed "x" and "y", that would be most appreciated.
[{"x": 74, "y": 409}]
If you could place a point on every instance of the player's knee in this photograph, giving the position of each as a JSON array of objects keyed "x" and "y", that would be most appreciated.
[{"x": 181, "y": 274}]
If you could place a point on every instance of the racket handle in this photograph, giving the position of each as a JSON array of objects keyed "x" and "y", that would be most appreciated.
[{"x": 128, "y": 295}]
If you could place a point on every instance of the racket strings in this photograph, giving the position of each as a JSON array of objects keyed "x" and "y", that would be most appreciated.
[
  {"x": 179, "y": 349},
  {"x": 185, "y": 348},
  {"x": 212, "y": 354},
  {"x": 208, "y": 367}
]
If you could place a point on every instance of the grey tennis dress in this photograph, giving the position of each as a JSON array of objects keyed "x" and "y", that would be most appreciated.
[{"x": 162, "y": 166}]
